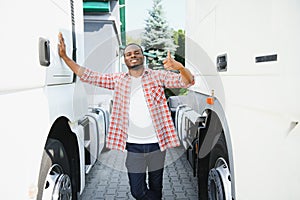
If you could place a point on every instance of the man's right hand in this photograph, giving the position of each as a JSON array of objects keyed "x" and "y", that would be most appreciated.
[
  {"x": 61, "y": 46},
  {"x": 78, "y": 70}
]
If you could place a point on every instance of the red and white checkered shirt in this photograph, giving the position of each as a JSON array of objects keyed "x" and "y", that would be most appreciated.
[{"x": 154, "y": 82}]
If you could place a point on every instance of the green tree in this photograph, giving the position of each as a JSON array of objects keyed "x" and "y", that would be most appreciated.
[
  {"x": 157, "y": 37},
  {"x": 179, "y": 39}
]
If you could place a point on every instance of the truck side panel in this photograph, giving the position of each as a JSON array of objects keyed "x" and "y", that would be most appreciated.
[
  {"x": 259, "y": 98},
  {"x": 33, "y": 96}
]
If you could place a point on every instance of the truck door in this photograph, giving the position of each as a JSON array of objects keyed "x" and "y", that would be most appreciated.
[{"x": 57, "y": 71}]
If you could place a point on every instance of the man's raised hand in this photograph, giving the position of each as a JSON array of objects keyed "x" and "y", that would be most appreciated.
[
  {"x": 171, "y": 64},
  {"x": 61, "y": 46}
]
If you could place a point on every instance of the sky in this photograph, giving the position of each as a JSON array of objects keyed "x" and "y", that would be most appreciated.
[{"x": 137, "y": 11}]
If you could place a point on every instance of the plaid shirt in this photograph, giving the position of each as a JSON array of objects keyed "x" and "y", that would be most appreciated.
[{"x": 153, "y": 83}]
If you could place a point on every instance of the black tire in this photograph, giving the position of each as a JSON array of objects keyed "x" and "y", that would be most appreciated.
[
  {"x": 219, "y": 150},
  {"x": 55, "y": 161},
  {"x": 214, "y": 185},
  {"x": 202, "y": 176}
]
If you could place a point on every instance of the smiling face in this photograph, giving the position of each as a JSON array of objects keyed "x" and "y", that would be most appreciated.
[{"x": 133, "y": 56}]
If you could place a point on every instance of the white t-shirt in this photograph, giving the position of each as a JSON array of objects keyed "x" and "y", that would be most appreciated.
[{"x": 141, "y": 129}]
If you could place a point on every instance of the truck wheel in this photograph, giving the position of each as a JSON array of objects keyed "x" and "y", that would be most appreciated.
[
  {"x": 219, "y": 177},
  {"x": 54, "y": 179}
]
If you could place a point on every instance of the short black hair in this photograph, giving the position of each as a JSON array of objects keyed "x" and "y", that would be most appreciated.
[{"x": 133, "y": 44}]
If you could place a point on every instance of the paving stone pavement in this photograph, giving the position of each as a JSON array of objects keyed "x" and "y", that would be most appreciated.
[{"x": 108, "y": 178}]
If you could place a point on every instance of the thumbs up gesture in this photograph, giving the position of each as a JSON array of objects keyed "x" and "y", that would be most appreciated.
[{"x": 171, "y": 64}]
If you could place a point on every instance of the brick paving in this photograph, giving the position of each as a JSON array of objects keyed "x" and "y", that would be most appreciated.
[{"x": 108, "y": 178}]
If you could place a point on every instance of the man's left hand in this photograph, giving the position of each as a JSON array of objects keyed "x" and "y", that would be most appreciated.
[{"x": 171, "y": 64}]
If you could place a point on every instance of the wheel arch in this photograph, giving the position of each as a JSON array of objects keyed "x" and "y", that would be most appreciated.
[
  {"x": 61, "y": 131},
  {"x": 216, "y": 127}
]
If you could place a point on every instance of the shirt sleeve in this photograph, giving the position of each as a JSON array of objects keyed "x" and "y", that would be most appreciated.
[
  {"x": 98, "y": 79},
  {"x": 174, "y": 80}
]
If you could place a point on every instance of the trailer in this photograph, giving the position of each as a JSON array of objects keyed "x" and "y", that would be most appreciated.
[{"x": 240, "y": 122}]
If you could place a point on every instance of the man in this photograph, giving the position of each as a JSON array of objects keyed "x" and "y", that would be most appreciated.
[{"x": 140, "y": 120}]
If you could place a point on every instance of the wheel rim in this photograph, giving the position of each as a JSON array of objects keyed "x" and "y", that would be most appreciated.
[
  {"x": 57, "y": 185},
  {"x": 220, "y": 173}
]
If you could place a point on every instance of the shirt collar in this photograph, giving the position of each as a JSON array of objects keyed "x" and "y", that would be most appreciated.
[{"x": 145, "y": 73}]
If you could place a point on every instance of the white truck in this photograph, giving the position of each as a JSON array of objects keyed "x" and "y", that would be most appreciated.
[
  {"x": 50, "y": 138},
  {"x": 240, "y": 121}
]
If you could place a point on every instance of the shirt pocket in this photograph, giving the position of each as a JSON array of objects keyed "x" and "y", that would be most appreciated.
[{"x": 157, "y": 94}]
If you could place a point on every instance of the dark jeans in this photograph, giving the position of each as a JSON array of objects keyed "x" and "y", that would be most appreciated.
[{"x": 141, "y": 157}]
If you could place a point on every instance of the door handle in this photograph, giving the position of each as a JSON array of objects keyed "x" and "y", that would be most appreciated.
[{"x": 44, "y": 52}]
